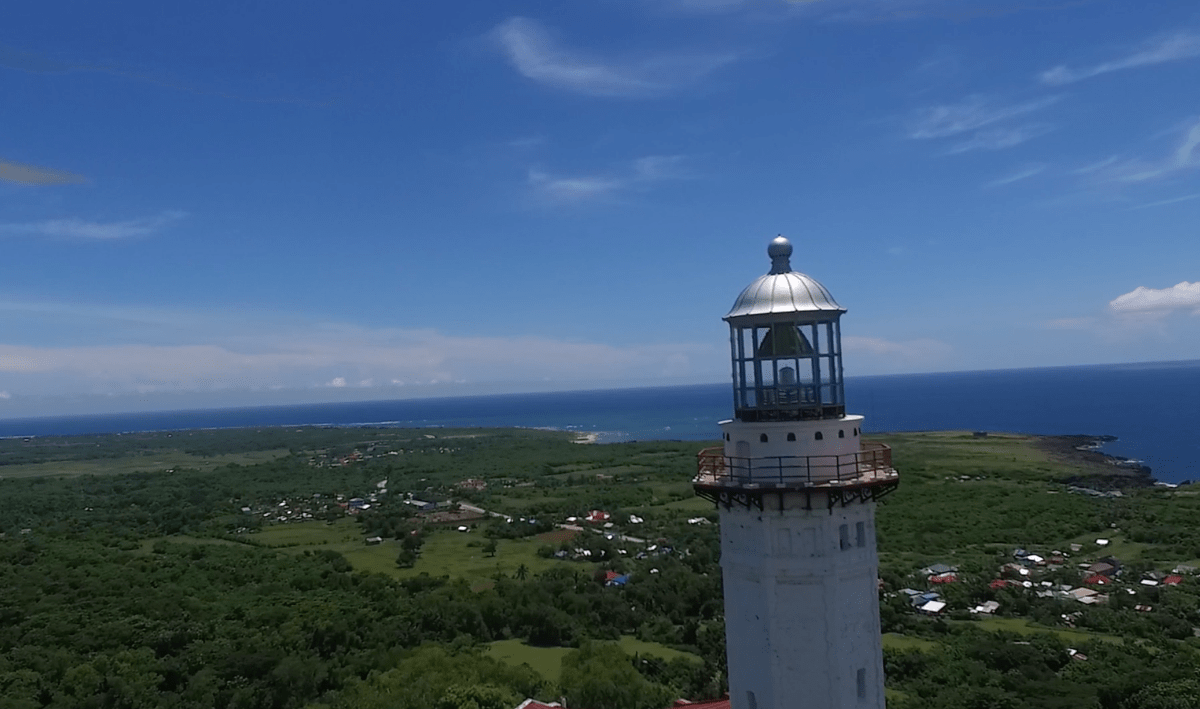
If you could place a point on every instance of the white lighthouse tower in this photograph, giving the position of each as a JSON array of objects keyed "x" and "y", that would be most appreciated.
[{"x": 796, "y": 488}]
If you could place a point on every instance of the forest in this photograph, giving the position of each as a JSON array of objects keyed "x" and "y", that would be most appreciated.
[{"x": 473, "y": 568}]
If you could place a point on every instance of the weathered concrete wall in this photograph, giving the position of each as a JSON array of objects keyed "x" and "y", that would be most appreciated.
[{"x": 801, "y": 604}]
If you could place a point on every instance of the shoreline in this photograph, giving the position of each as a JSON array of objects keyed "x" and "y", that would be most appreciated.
[{"x": 1099, "y": 470}]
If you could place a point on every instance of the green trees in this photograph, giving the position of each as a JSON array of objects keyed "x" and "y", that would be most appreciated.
[
  {"x": 432, "y": 676},
  {"x": 601, "y": 676},
  {"x": 1175, "y": 694}
]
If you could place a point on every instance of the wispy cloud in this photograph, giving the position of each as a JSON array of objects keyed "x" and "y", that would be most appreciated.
[
  {"x": 35, "y": 176},
  {"x": 1182, "y": 45},
  {"x": 538, "y": 56},
  {"x": 884, "y": 356},
  {"x": 1181, "y": 296},
  {"x": 573, "y": 189},
  {"x": 1022, "y": 174},
  {"x": 1098, "y": 166},
  {"x": 1000, "y": 138},
  {"x": 1185, "y": 156},
  {"x": 337, "y": 357},
  {"x": 1167, "y": 202},
  {"x": 947, "y": 120},
  {"x": 74, "y": 228},
  {"x": 640, "y": 173}
]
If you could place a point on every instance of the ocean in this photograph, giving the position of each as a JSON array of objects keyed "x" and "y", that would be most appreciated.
[{"x": 1153, "y": 410}]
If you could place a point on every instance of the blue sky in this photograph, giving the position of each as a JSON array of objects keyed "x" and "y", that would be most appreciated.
[{"x": 234, "y": 203}]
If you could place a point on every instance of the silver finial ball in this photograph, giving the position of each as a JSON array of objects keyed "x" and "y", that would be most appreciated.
[{"x": 780, "y": 252}]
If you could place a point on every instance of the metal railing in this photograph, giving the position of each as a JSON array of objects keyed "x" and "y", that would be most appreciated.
[{"x": 871, "y": 463}]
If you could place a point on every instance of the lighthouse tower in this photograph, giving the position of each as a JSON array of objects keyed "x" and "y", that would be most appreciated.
[{"x": 796, "y": 488}]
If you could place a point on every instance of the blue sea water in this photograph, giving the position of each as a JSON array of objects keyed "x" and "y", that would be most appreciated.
[{"x": 1153, "y": 409}]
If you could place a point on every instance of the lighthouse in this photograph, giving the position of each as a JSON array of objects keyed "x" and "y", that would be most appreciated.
[{"x": 796, "y": 488}]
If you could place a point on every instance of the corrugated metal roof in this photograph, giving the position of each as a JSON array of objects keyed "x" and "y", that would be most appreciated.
[{"x": 783, "y": 290}]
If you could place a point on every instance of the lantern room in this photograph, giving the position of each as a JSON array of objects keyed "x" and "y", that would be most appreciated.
[{"x": 786, "y": 343}]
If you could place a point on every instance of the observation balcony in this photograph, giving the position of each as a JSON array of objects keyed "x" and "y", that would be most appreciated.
[{"x": 865, "y": 474}]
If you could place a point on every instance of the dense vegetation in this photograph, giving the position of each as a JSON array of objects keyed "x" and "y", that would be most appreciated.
[{"x": 225, "y": 569}]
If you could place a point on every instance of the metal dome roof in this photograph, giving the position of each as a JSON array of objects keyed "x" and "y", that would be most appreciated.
[{"x": 783, "y": 290}]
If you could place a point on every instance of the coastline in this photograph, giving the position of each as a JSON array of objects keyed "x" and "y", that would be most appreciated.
[{"x": 1098, "y": 470}]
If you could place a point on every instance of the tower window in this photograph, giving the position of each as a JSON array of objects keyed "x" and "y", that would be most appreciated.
[
  {"x": 791, "y": 437},
  {"x": 819, "y": 436},
  {"x": 860, "y": 533},
  {"x": 751, "y": 701},
  {"x": 841, "y": 433},
  {"x": 762, "y": 438},
  {"x": 844, "y": 536},
  {"x": 727, "y": 436},
  {"x": 856, "y": 430},
  {"x": 862, "y": 683}
]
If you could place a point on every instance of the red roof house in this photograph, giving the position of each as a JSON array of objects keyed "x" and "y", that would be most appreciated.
[
  {"x": 1097, "y": 580},
  {"x": 707, "y": 704},
  {"x": 1172, "y": 580},
  {"x": 598, "y": 516}
]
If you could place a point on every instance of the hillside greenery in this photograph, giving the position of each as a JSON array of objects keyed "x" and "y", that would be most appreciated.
[{"x": 232, "y": 569}]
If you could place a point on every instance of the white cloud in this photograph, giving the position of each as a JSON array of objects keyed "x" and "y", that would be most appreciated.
[
  {"x": 1098, "y": 166},
  {"x": 975, "y": 112},
  {"x": 35, "y": 176},
  {"x": 888, "y": 356},
  {"x": 659, "y": 167},
  {"x": 1183, "y": 45},
  {"x": 1181, "y": 296},
  {"x": 537, "y": 56},
  {"x": 1165, "y": 202},
  {"x": 640, "y": 173},
  {"x": 336, "y": 356},
  {"x": 1185, "y": 156},
  {"x": 74, "y": 228},
  {"x": 1000, "y": 138},
  {"x": 1023, "y": 174},
  {"x": 573, "y": 189},
  {"x": 5, "y": 395}
]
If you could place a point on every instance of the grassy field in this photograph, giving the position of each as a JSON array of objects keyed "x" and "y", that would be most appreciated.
[
  {"x": 547, "y": 661},
  {"x": 896, "y": 641},
  {"x": 1023, "y": 626},
  {"x": 159, "y": 461},
  {"x": 459, "y": 555},
  {"x": 311, "y": 534}
]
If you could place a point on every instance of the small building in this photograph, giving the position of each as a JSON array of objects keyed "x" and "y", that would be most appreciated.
[
  {"x": 1079, "y": 594},
  {"x": 1172, "y": 580},
  {"x": 597, "y": 516},
  {"x": 933, "y": 607},
  {"x": 371, "y": 541}
]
